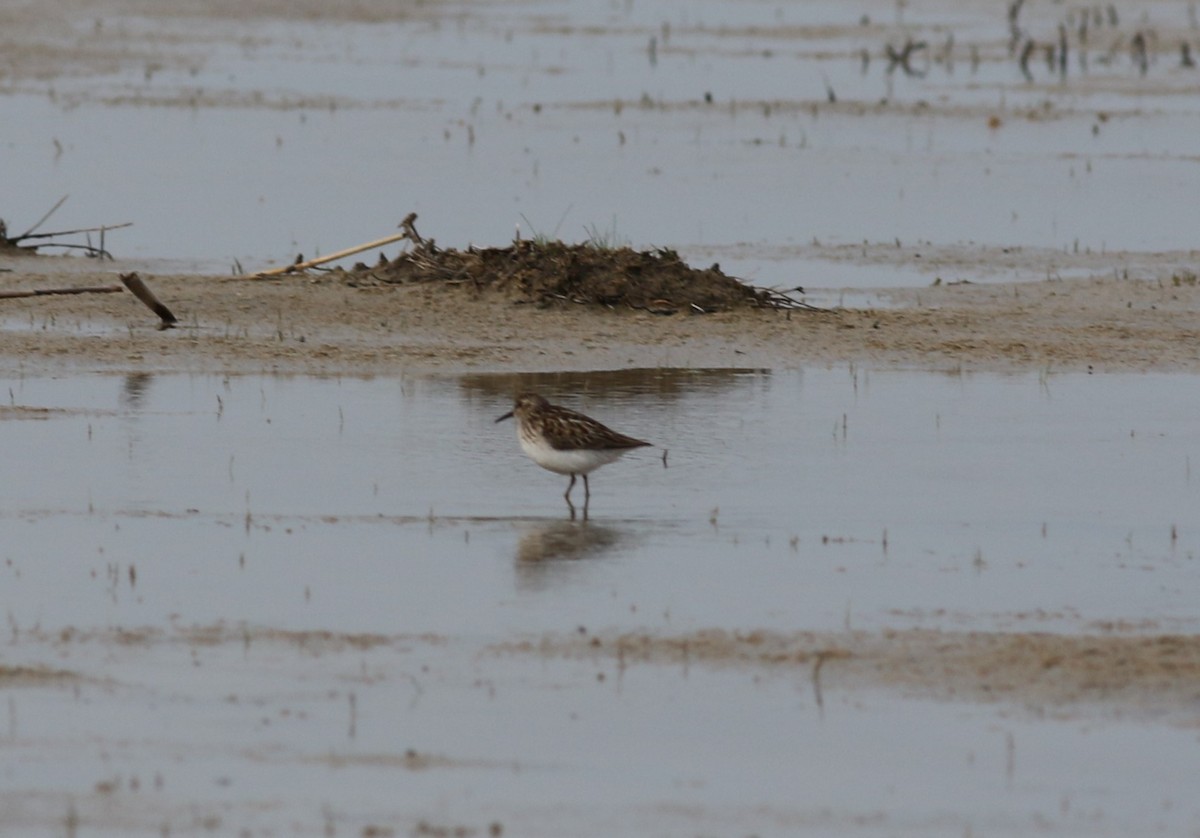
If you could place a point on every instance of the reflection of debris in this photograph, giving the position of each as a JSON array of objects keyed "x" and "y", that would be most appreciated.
[
  {"x": 1059, "y": 40},
  {"x": 902, "y": 57},
  {"x": 1014, "y": 28},
  {"x": 1062, "y": 51},
  {"x": 1137, "y": 48},
  {"x": 553, "y": 273},
  {"x": 1023, "y": 61}
]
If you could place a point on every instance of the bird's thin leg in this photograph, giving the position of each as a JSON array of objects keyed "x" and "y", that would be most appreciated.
[
  {"x": 587, "y": 497},
  {"x": 567, "y": 495}
]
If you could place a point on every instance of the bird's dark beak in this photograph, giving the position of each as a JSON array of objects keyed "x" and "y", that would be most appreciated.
[{"x": 505, "y": 416}]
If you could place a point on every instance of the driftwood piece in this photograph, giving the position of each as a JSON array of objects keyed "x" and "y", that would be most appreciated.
[
  {"x": 138, "y": 288},
  {"x": 12, "y": 245},
  {"x": 299, "y": 266},
  {"x": 102, "y": 229},
  {"x": 44, "y": 218},
  {"x": 46, "y": 292},
  {"x": 130, "y": 281}
]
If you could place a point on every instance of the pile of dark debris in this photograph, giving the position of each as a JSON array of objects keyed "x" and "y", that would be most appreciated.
[{"x": 552, "y": 273}]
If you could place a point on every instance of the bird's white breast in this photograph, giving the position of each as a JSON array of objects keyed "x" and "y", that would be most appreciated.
[{"x": 566, "y": 461}]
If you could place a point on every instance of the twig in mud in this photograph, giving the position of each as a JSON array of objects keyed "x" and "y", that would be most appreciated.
[
  {"x": 821, "y": 657},
  {"x": 46, "y": 292},
  {"x": 299, "y": 266},
  {"x": 772, "y": 298},
  {"x": 138, "y": 288},
  {"x": 90, "y": 249}
]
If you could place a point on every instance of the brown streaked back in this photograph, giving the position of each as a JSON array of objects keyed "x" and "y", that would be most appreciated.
[{"x": 565, "y": 429}]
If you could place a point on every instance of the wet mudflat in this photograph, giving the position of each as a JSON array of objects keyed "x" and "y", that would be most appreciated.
[
  {"x": 288, "y": 604},
  {"x": 872, "y": 591},
  {"x": 763, "y": 136}
]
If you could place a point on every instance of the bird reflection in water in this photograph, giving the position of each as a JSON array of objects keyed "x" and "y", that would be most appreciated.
[{"x": 549, "y": 553}]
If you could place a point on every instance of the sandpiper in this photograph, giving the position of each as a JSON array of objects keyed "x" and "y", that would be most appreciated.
[{"x": 566, "y": 442}]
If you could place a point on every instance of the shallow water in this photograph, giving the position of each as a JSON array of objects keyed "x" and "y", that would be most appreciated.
[
  {"x": 558, "y": 119},
  {"x": 799, "y": 500},
  {"x": 203, "y": 552}
]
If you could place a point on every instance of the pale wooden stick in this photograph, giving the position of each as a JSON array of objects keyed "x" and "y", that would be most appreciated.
[{"x": 299, "y": 266}]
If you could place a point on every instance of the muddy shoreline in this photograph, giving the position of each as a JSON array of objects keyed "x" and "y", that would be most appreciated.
[
  {"x": 326, "y": 324},
  {"x": 322, "y": 325}
]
